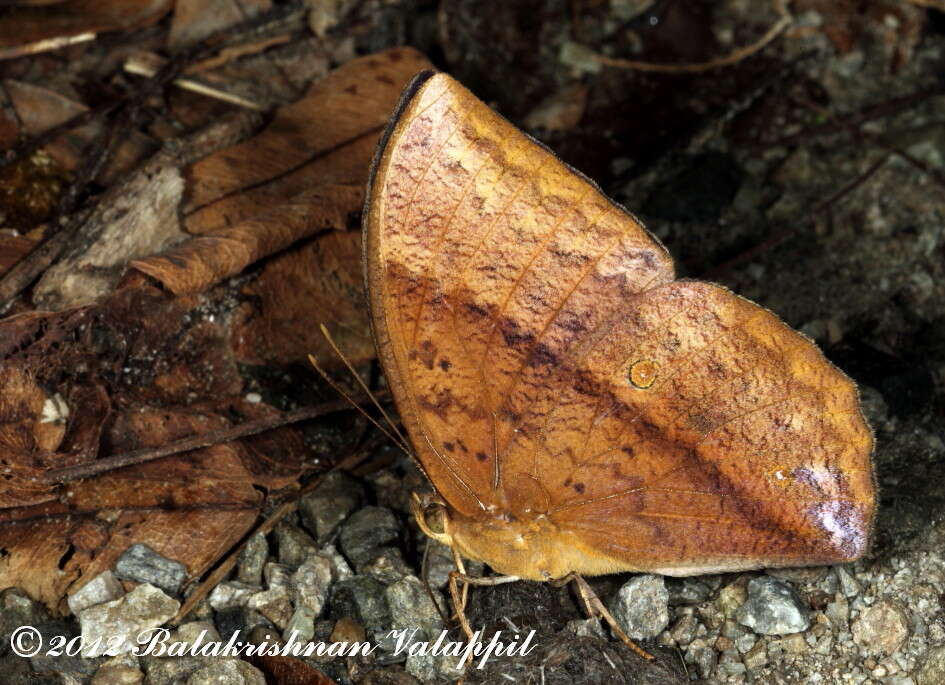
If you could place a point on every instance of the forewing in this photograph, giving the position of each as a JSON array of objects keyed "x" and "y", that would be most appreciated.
[{"x": 483, "y": 250}]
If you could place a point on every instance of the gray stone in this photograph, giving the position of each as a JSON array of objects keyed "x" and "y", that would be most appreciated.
[
  {"x": 641, "y": 606},
  {"x": 294, "y": 544},
  {"x": 932, "y": 671},
  {"x": 684, "y": 630},
  {"x": 361, "y": 598},
  {"x": 119, "y": 670},
  {"x": 388, "y": 566},
  {"x": 365, "y": 532},
  {"x": 142, "y": 564},
  {"x": 122, "y": 620},
  {"x": 440, "y": 564},
  {"x": 731, "y": 662},
  {"x": 310, "y": 584},
  {"x": 340, "y": 570},
  {"x": 227, "y": 672},
  {"x": 196, "y": 632},
  {"x": 732, "y": 597},
  {"x": 302, "y": 624},
  {"x": 171, "y": 670},
  {"x": 231, "y": 594},
  {"x": 411, "y": 608},
  {"x": 773, "y": 608},
  {"x": 881, "y": 628},
  {"x": 702, "y": 656},
  {"x": 252, "y": 559},
  {"x": 586, "y": 627},
  {"x": 745, "y": 643},
  {"x": 838, "y": 611},
  {"x": 274, "y": 604},
  {"x": 16, "y": 671},
  {"x": 334, "y": 500},
  {"x": 579, "y": 58},
  {"x": 756, "y": 657},
  {"x": 64, "y": 663},
  {"x": 687, "y": 591},
  {"x": 242, "y": 619},
  {"x": 277, "y": 576},
  {"x": 17, "y": 609},
  {"x": 848, "y": 585},
  {"x": 824, "y": 645},
  {"x": 627, "y": 10},
  {"x": 102, "y": 588}
]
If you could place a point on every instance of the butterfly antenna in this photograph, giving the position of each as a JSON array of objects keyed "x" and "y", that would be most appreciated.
[
  {"x": 425, "y": 577},
  {"x": 395, "y": 437},
  {"x": 357, "y": 377}
]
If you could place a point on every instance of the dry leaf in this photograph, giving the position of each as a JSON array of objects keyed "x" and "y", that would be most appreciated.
[
  {"x": 220, "y": 253},
  {"x": 194, "y": 20},
  {"x": 12, "y": 249},
  {"x": 302, "y": 175},
  {"x": 136, "y": 218},
  {"x": 40, "y": 109},
  {"x": 23, "y": 25},
  {"x": 328, "y": 137},
  {"x": 319, "y": 283}
]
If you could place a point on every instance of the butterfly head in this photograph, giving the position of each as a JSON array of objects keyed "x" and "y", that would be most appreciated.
[{"x": 431, "y": 514}]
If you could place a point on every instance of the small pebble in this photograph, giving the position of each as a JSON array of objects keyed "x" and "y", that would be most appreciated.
[
  {"x": 102, "y": 588},
  {"x": 641, "y": 606},
  {"x": 881, "y": 628},
  {"x": 773, "y": 608},
  {"x": 142, "y": 564},
  {"x": 120, "y": 622}
]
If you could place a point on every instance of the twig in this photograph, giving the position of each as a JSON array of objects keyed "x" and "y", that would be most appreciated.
[
  {"x": 148, "y": 64},
  {"x": 738, "y": 55},
  {"x": 194, "y": 442},
  {"x": 44, "y": 45}
]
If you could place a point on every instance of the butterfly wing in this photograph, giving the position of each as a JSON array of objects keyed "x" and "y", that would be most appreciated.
[
  {"x": 717, "y": 437},
  {"x": 465, "y": 220},
  {"x": 544, "y": 360}
]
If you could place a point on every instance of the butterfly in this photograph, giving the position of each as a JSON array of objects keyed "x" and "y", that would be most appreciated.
[{"x": 579, "y": 410}]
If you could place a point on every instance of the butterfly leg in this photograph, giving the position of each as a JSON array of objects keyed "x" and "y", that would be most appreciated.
[
  {"x": 459, "y": 600},
  {"x": 458, "y": 560},
  {"x": 595, "y": 607}
]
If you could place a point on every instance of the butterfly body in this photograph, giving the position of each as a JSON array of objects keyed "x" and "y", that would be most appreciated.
[{"x": 577, "y": 409}]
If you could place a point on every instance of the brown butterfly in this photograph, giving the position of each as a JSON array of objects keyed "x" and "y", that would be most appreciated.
[{"x": 578, "y": 410}]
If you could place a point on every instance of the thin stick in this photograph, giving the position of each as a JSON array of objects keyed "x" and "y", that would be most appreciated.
[
  {"x": 146, "y": 64},
  {"x": 737, "y": 56},
  {"x": 44, "y": 45},
  {"x": 194, "y": 442}
]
